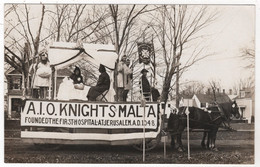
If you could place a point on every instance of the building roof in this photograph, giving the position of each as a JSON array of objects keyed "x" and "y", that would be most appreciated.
[
  {"x": 12, "y": 71},
  {"x": 209, "y": 98},
  {"x": 185, "y": 96},
  {"x": 232, "y": 97},
  {"x": 60, "y": 72},
  {"x": 249, "y": 93}
]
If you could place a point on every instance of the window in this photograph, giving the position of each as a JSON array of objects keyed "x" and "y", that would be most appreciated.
[
  {"x": 202, "y": 105},
  {"x": 15, "y": 83},
  {"x": 242, "y": 93}
]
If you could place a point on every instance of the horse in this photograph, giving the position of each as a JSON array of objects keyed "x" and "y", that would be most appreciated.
[
  {"x": 227, "y": 117},
  {"x": 208, "y": 120}
]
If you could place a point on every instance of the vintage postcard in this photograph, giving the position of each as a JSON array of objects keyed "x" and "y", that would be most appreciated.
[{"x": 138, "y": 83}]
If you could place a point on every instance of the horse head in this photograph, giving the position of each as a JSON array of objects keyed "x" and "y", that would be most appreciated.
[
  {"x": 230, "y": 110},
  {"x": 235, "y": 110}
]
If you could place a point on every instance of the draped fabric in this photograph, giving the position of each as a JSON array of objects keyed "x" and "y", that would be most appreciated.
[{"x": 62, "y": 54}]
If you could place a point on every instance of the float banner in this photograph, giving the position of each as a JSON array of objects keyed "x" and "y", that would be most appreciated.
[
  {"x": 145, "y": 50},
  {"x": 89, "y": 115}
]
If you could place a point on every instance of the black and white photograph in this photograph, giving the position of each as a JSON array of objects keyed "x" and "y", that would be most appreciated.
[{"x": 141, "y": 83}]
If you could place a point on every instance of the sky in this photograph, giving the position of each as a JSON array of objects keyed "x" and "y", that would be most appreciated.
[{"x": 234, "y": 29}]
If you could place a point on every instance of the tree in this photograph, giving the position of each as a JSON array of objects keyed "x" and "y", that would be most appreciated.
[
  {"x": 248, "y": 57},
  {"x": 214, "y": 86},
  {"x": 177, "y": 26},
  {"x": 245, "y": 83},
  {"x": 191, "y": 88},
  {"x": 248, "y": 54},
  {"x": 31, "y": 42},
  {"x": 73, "y": 23},
  {"x": 122, "y": 22}
]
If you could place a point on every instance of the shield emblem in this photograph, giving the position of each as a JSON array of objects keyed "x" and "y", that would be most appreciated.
[{"x": 145, "y": 51}]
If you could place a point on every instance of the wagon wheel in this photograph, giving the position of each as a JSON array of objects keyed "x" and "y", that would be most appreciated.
[
  {"x": 149, "y": 143},
  {"x": 48, "y": 147}
]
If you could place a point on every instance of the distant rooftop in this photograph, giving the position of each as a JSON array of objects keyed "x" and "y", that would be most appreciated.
[
  {"x": 209, "y": 98},
  {"x": 60, "y": 72}
]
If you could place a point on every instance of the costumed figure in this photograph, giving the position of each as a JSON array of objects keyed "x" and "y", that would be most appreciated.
[
  {"x": 77, "y": 79},
  {"x": 128, "y": 76},
  {"x": 120, "y": 78},
  {"x": 42, "y": 75},
  {"x": 146, "y": 88},
  {"x": 103, "y": 84},
  {"x": 155, "y": 94}
]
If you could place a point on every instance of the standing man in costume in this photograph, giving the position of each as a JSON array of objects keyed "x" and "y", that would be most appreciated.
[
  {"x": 42, "y": 74},
  {"x": 120, "y": 78},
  {"x": 128, "y": 76},
  {"x": 145, "y": 85}
]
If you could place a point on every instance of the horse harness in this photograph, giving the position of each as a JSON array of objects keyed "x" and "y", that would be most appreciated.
[{"x": 212, "y": 121}]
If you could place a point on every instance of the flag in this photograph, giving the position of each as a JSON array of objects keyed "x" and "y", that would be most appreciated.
[
  {"x": 145, "y": 51},
  {"x": 187, "y": 111}
]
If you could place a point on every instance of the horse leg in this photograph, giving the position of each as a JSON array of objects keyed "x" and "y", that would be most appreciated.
[
  {"x": 175, "y": 142},
  {"x": 209, "y": 140},
  {"x": 203, "y": 145},
  {"x": 179, "y": 143},
  {"x": 212, "y": 139},
  {"x": 173, "y": 137},
  {"x": 214, "y": 136}
]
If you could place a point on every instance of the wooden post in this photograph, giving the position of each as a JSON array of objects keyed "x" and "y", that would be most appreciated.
[
  {"x": 188, "y": 130},
  {"x": 23, "y": 85},
  {"x": 144, "y": 136},
  {"x": 164, "y": 147},
  {"x": 143, "y": 103},
  {"x": 49, "y": 91},
  {"x": 55, "y": 84}
]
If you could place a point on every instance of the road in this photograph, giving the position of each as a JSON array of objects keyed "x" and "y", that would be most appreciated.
[
  {"x": 230, "y": 152},
  {"x": 234, "y": 148}
]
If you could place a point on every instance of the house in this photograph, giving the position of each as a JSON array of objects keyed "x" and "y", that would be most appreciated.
[
  {"x": 14, "y": 92},
  {"x": 205, "y": 100},
  {"x": 186, "y": 100},
  {"x": 245, "y": 102},
  {"x": 231, "y": 95}
]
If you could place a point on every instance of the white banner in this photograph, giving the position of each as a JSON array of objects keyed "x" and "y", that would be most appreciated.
[{"x": 88, "y": 115}]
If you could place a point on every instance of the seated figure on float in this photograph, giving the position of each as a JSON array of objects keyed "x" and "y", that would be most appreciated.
[
  {"x": 103, "y": 84},
  {"x": 73, "y": 87}
]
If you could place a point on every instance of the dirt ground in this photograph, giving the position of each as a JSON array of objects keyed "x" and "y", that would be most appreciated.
[
  {"x": 234, "y": 148},
  {"x": 230, "y": 152}
]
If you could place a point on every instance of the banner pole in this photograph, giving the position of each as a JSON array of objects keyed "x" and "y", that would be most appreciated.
[
  {"x": 144, "y": 136},
  {"x": 163, "y": 124},
  {"x": 188, "y": 131},
  {"x": 164, "y": 147}
]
